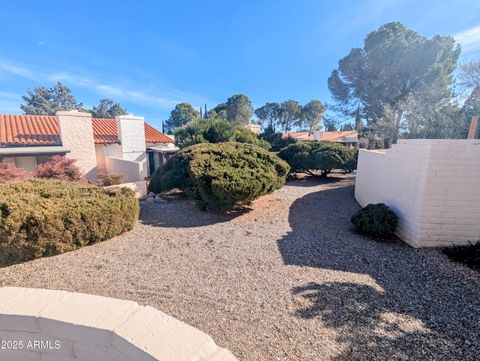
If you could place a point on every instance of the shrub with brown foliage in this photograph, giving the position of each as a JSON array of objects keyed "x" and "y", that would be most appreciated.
[
  {"x": 109, "y": 179},
  {"x": 41, "y": 217}
]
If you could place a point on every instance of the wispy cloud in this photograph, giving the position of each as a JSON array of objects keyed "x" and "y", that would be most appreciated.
[
  {"x": 10, "y": 102},
  {"x": 15, "y": 69},
  {"x": 164, "y": 100},
  {"x": 469, "y": 39}
]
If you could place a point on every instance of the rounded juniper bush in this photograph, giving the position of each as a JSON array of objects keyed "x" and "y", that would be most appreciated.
[
  {"x": 376, "y": 220},
  {"x": 319, "y": 156},
  {"x": 221, "y": 176}
]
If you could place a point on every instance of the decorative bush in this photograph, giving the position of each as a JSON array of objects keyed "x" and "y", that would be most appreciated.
[
  {"x": 323, "y": 157},
  {"x": 298, "y": 156},
  {"x": 215, "y": 131},
  {"x": 350, "y": 163},
  {"x": 376, "y": 220},
  {"x": 41, "y": 217},
  {"x": 9, "y": 173},
  {"x": 221, "y": 176},
  {"x": 59, "y": 167},
  {"x": 109, "y": 179},
  {"x": 468, "y": 255}
]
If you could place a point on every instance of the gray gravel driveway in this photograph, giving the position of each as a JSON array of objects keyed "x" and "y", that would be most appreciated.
[{"x": 286, "y": 280}]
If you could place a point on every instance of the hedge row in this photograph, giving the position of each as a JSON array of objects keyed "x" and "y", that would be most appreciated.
[
  {"x": 319, "y": 156},
  {"x": 47, "y": 217},
  {"x": 221, "y": 176}
]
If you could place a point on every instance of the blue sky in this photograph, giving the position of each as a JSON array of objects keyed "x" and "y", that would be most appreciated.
[{"x": 150, "y": 55}]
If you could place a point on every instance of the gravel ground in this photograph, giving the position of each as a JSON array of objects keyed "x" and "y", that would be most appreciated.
[{"x": 286, "y": 280}]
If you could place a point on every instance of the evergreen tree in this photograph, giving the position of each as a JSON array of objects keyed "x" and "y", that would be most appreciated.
[
  {"x": 182, "y": 114},
  {"x": 47, "y": 101},
  {"x": 312, "y": 115},
  {"x": 108, "y": 109},
  {"x": 238, "y": 109},
  {"x": 394, "y": 64}
]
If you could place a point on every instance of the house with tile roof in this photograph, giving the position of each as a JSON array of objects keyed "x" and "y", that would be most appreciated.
[
  {"x": 126, "y": 145},
  {"x": 348, "y": 138}
]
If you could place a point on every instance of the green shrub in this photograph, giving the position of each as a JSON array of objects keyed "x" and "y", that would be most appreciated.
[
  {"x": 319, "y": 156},
  {"x": 298, "y": 156},
  {"x": 351, "y": 161},
  {"x": 221, "y": 176},
  {"x": 376, "y": 220},
  {"x": 47, "y": 217},
  {"x": 215, "y": 131}
]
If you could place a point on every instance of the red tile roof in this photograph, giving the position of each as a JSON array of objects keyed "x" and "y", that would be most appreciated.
[
  {"x": 298, "y": 135},
  {"x": 154, "y": 136},
  {"x": 28, "y": 130},
  {"x": 105, "y": 131},
  {"x": 339, "y": 135},
  {"x": 44, "y": 130}
]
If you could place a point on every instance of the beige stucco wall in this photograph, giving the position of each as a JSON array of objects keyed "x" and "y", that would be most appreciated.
[
  {"x": 74, "y": 326},
  {"x": 431, "y": 184},
  {"x": 254, "y": 128},
  {"x": 106, "y": 150},
  {"x": 100, "y": 156},
  {"x": 76, "y": 133},
  {"x": 27, "y": 163}
]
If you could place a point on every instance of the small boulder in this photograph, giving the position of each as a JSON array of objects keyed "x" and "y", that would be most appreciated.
[
  {"x": 159, "y": 199},
  {"x": 151, "y": 194},
  {"x": 150, "y": 200}
]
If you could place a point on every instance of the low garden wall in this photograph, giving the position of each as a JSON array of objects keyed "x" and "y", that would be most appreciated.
[
  {"x": 131, "y": 170},
  {"x": 139, "y": 187},
  {"x": 432, "y": 185},
  {"x": 38, "y": 324}
]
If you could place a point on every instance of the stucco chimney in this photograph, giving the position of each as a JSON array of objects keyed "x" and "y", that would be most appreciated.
[
  {"x": 76, "y": 134},
  {"x": 131, "y": 132}
]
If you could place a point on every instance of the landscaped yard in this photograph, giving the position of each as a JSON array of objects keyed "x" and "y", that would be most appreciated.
[{"x": 287, "y": 280}]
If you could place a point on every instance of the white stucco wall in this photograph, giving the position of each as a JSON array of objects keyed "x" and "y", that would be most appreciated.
[
  {"x": 76, "y": 134},
  {"x": 131, "y": 132},
  {"x": 163, "y": 146},
  {"x": 75, "y": 326},
  {"x": 431, "y": 184},
  {"x": 132, "y": 171}
]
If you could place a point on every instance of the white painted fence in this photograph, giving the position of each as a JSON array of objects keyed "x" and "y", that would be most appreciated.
[{"x": 433, "y": 186}]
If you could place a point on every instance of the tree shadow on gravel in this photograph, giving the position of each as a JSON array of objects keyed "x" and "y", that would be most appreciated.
[
  {"x": 304, "y": 180},
  {"x": 181, "y": 212},
  {"x": 423, "y": 308}
]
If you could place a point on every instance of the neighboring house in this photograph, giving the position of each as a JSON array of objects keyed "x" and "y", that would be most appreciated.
[
  {"x": 254, "y": 128},
  {"x": 126, "y": 145},
  {"x": 348, "y": 138}
]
